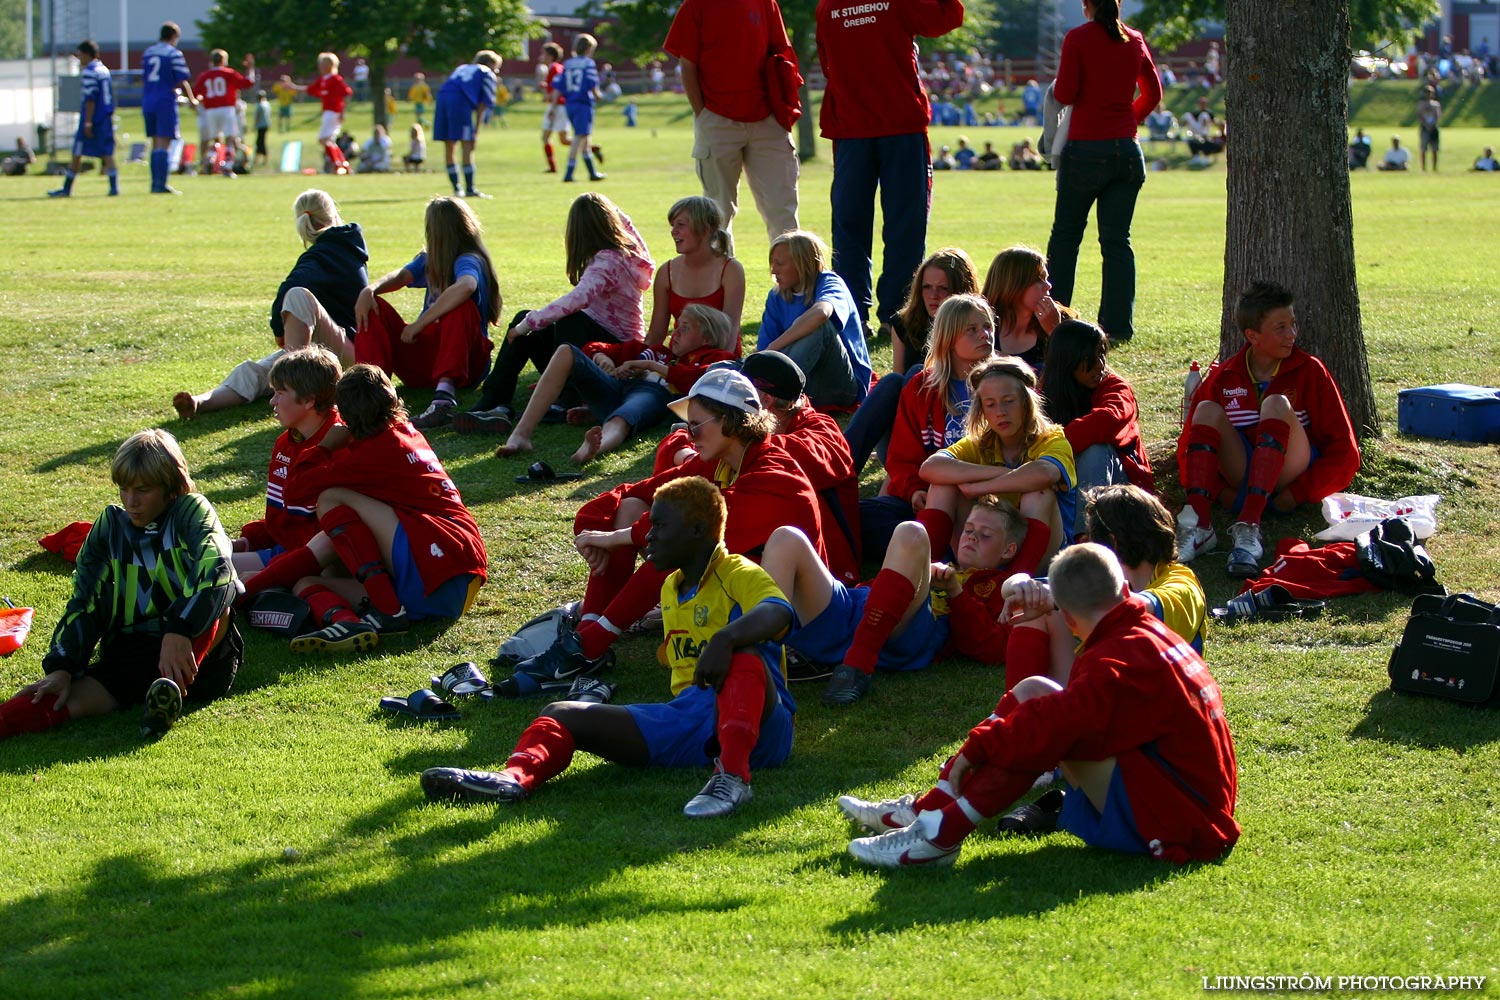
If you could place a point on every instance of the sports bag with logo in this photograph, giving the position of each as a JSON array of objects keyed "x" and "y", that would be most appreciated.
[{"x": 1451, "y": 647}]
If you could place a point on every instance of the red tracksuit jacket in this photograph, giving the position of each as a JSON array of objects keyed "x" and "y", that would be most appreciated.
[
  {"x": 1114, "y": 421},
  {"x": 681, "y": 372},
  {"x": 1140, "y": 694},
  {"x": 921, "y": 421},
  {"x": 815, "y": 442},
  {"x": 291, "y": 511}
]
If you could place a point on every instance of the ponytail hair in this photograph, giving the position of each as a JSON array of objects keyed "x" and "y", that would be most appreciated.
[
  {"x": 314, "y": 211},
  {"x": 706, "y": 220},
  {"x": 1107, "y": 15}
]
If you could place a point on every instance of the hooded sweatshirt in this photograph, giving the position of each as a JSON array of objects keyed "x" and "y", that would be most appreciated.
[{"x": 333, "y": 269}]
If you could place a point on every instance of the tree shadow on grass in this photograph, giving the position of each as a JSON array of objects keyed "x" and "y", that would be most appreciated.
[
  {"x": 324, "y": 920},
  {"x": 1427, "y": 722}
]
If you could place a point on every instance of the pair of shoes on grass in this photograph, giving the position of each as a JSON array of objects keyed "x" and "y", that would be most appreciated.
[
  {"x": 350, "y": 637},
  {"x": 1246, "y": 548},
  {"x": 723, "y": 794},
  {"x": 498, "y": 420},
  {"x": 902, "y": 838}
]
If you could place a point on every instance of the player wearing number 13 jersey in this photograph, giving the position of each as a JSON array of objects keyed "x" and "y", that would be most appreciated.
[
  {"x": 219, "y": 87},
  {"x": 164, "y": 74}
]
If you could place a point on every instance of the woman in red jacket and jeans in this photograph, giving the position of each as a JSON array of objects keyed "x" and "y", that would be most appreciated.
[{"x": 1101, "y": 66}]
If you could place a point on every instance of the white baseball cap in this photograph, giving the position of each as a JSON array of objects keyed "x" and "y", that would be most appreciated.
[{"x": 724, "y": 386}]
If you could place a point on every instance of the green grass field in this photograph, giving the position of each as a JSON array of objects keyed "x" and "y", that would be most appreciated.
[{"x": 276, "y": 843}]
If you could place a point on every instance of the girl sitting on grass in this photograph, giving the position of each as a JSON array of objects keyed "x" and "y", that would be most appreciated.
[
  {"x": 1011, "y": 449},
  {"x": 704, "y": 270},
  {"x": 1096, "y": 409},
  {"x": 609, "y": 267},
  {"x": 626, "y": 386},
  {"x": 810, "y": 317},
  {"x": 153, "y": 591},
  {"x": 1018, "y": 290},
  {"x": 446, "y": 346}
]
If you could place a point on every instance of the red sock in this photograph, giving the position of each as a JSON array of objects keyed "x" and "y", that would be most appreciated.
[
  {"x": 640, "y": 594},
  {"x": 890, "y": 595},
  {"x": 939, "y": 525},
  {"x": 987, "y": 791},
  {"x": 1202, "y": 469},
  {"x": 327, "y": 605},
  {"x": 1029, "y": 553},
  {"x": 601, "y": 588},
  {"x": 741, "y": 701},
  {"x": 939, "y": 795},
  {"x": 20, "y": 715},
  {"x": 1271, "y": 438},
  {"x": 360, "y": 553},
  {"x": 336, "y": 155},
  {"x": 284, "y": 571},
  {"x": 544, "y": 751},
  {"x": 551, "y": 159},
  {"x": 1028, "y": 653}
]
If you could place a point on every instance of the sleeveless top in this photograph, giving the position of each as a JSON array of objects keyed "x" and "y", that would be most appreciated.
[{"x": 676, "y": 303}]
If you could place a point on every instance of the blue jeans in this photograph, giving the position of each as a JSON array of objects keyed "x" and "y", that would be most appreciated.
[
  {"x": 1096, "y": 465},
  {"x": 870, "y": 427},
  {"x": 901, "y": 166},
  {"x": 636, "y": 401},
  {"x": 825, "y": 361},
  {"x": 878, "y": 517},
  {"x": 1109, "y": 172}
]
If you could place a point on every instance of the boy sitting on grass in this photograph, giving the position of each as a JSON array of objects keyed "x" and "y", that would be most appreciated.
[
  {"x": 914, "y": 609},
  {"x": 1268, "y": 426},
  {"x": 722, "y": 616},
  {"x": 389, "y": 513},
  {"x": 1139, "y": 733},
  {"x": 153, "y": 591},
  {"x": 303, "y": 384}
]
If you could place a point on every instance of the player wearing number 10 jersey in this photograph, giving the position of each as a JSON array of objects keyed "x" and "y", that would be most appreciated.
[
  {"x": 164, "y": 74},
  {"x": 219, "y": 87}
]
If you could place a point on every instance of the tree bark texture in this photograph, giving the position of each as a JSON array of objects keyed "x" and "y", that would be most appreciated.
[
  {"x": 377, "y": 92},
  {"x": 1289, "y": 218}
]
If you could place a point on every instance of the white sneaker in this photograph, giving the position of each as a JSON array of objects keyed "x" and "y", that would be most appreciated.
[
  {"x": 879, "y": 816},
  {"x": 908, "y": 846},
  {"x": 1245, "y": 551},
  {"x": 723, "y": 794},
  {"x": 1193, "y": 541}
]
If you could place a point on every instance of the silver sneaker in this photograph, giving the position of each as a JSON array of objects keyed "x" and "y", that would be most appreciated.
[
  {"x": 723, "y": 794},
  {"x": 1246, "y": 550},
  {"x": 902, "y": 848},
  {"x": 439, "y": 413},
  {"x": 1193, "y": 541},
  {"x": 879, "y": 816}
]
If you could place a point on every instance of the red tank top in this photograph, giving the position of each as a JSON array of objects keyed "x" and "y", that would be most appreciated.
[{"x": 676, "y": 303}]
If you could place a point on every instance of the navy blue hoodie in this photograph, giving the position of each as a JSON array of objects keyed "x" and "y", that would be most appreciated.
[{"x": 333, "y": 269}]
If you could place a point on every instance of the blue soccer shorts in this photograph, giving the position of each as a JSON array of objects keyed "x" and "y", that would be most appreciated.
[{"x": 826, "y": 638}]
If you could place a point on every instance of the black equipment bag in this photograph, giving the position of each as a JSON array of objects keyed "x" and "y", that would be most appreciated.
[{"x": 1451, "y": 647}]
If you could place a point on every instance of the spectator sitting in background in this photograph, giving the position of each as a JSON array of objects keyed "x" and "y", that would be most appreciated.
[
  {"x": 1487, "y": 161},
  {"x": 16, "y": 164},
  {"x": 1161, "y": 125},
  {"x": 965, "y": 155},
  {"x": 989, "y": 159},
  {"x": 1359, "y": 150},
  {"x": 1202, "y": 140},
  {"x": 376, "y": 158},
  {"x": 1023, "y": 157},
  {"x": 944, "y": 159},
  {"x": 1397, "y": 157}
]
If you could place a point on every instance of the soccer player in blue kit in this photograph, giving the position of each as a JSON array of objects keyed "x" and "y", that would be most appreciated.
[
  {"x": 96, "y": 122},
  {"x": 164, "y": 75},
  {"x": 580, "y": 89},
  {"x": 460, "y": 101}
]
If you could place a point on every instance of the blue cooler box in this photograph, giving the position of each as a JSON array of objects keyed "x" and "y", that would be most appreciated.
[{"x": 1455, "y": 412}]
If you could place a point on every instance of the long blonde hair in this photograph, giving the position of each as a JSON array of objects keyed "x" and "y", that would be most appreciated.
[
  {"x": 314, "y": 211},
  {"x": 1036, "y": 420},
  {"x": 809, "y": 259},
  {"x": 452, "y": 231},
  {"x": 594, "y": 224},
  {"x": 953, "y": 316}
]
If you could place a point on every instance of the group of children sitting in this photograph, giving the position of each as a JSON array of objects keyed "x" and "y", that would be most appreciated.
[{"x": 1011, "y": 448}]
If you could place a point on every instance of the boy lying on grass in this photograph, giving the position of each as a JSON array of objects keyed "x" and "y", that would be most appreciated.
[
  {"x": 1139, "y": 734},
  {"x": 723, "y": 617}
]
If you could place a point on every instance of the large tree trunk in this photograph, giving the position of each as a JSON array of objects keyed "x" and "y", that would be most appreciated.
[
  {"x": 1289, "y": 218},
  {"x": 377, "y": 90}
]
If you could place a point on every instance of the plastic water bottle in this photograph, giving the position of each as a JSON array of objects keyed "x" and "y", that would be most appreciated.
[{"x": 1190, "y": 386}]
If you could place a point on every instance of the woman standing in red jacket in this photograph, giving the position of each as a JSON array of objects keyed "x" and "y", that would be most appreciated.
[{"x": 1102, "y": 64}]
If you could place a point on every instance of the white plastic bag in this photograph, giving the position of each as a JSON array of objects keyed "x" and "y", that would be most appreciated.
[{"x": 1349, "y": 514}]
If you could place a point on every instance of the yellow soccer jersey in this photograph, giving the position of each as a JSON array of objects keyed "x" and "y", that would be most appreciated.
[
  {"x": 1050, "y": 447},
  {"x": 1176, "y": 597},
  {"x": 420, "y": 93},
  {"x": 284, "y": 95},
  {"x": 691, "y": 615}
]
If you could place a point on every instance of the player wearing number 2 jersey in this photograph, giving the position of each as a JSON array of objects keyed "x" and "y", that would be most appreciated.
[
  {"x": 468, "y": 90},
  {"x": 164, "y": 75}
]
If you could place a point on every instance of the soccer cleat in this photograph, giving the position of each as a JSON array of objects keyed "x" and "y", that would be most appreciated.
[
  {"x": 799, "y": 668},
  {"x": 723, "y": 794},
  {"x": 1246, "y": 550},
  {"x": 439, "y": 413},
  {"x": 384, "y": 624},
  {"x": 60, "y": 193},
  {"x": 340, "y": 637},
  {"x": 165, "y": 190},
  {"x": 880, "y": 816},
  {"x": 458, "y": 784},
  {"x": 598, "y": 154},
  {"x": 901, "y": 848},
  {"x": 598, "y": 177},
  {"x": 564, "y": 659},
  {"x": 500, "y": 420},
  {"x": 845, "y": 687},
  {"x": 163, "y": 707},
  {"x": 1034, "y": 818},
  {"x": 1193, "y": 541},
  {"x": 478, "y": 194}
]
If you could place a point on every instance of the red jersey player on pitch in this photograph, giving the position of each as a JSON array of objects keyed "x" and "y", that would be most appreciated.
[
  {"x": 333, "y": 91},
  {"x": 219, "y": 87}
]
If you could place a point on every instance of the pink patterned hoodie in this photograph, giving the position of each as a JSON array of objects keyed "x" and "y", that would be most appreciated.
[{"x": 609, "y": 292}]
